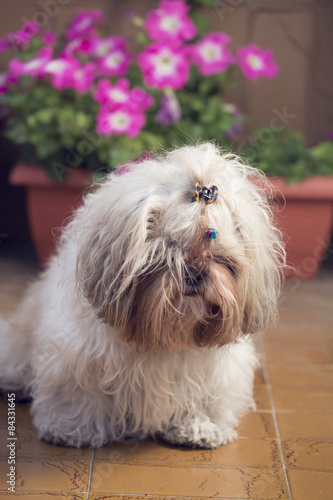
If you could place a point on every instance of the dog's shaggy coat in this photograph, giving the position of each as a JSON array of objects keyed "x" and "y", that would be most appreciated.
[{"x": 140, "y": 326}]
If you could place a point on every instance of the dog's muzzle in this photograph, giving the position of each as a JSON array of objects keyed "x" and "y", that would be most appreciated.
[{"x": 194, "y": 282}]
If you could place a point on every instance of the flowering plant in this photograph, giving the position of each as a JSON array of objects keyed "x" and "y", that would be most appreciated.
[{"x": 88, "y": 98}]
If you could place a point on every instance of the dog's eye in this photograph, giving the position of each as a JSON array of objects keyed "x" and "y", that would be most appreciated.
[
  {"x": 228, "y": 263},
  {"x": 152, "y": 219}
]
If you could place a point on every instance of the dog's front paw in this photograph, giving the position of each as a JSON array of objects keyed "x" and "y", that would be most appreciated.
[
  {"x": 73, "y": 439},
  {"x": 200, "y": 434}
]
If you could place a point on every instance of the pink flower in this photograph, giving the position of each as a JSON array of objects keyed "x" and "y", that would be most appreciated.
[
  {"x": 6, "y": 79},
  {"x": 120, "y": 121},
  {"x": 255, "y": 62},
  {"x": 211, "y": 54},
  {"x": 61, "y": 71},
  {"x": 164, "y": 65},
  {"x": 84, "y": 23},
  {"x": 170, "y": 22},
  {"x": 49, "y": 38},
  {"x": 120, "y": 96},
  {"x": 122, "y": 108},
  {"x": 19, "y": 39},
  {"x": 115, "y": 63},
  {"x": 112, "y": 95},
  {"x": 83, "y": 77},
  {"x": 30, "y": 29},
  {"x": 140, "y": 100},
  {"x": 34, "y": 67},
  {"x": 79, "y": 45},
  {"x": 4, "y": 44},
  {"x": 100, "y": 47}
]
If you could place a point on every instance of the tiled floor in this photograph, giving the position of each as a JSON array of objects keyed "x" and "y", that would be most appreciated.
[{"x": 285, "y": 448}]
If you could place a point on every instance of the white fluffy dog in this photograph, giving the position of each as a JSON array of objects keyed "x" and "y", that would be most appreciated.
[{"x": 142, "y": 324}]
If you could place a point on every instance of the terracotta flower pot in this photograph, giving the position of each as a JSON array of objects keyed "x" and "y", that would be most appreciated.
[
  {"x": 305, "y": 217},
  {"x": 305, "y": 213},
  {"x": 49, "y": 203}
]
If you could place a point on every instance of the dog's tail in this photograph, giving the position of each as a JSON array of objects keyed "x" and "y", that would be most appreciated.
[{"x": 15, "y": 371}]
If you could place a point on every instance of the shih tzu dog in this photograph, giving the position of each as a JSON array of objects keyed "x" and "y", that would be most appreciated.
[{"x": 142, "y": 324}]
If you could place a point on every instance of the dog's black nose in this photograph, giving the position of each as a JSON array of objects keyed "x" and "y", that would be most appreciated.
[{"x": 194, "y": 281}]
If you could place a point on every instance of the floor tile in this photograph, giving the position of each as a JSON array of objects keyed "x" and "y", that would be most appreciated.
[
  {"x": 303, "y": 377},
  {"x": 299, "y": 354},
  {"x": 32, "y": 495},
  {"x": 29, "y": 445},
  {"x": 292, "y": 334},
  {"x": 305, "y": 426},
  {"x": 105, "y": 496},
  {"x": 316, "y": 455},
  {"x": 288, "y": 399},
  {"x": 23, "y": 416},
  {"x": 261, "y": 398},
  {"x": 190, "y": 481},
  {"x": 261, "y": 395},
  {"x": 257, "y": 425},
  {"x": 258, "y": 453},
  {"x": 38, "y": 474},
  {"x": 309, "y": 485}
]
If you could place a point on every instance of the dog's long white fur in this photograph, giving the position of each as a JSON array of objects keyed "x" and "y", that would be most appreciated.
[{"x": 89, "y": 386}]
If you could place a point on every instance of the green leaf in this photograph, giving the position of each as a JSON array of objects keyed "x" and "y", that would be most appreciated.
[
  {"x": 47, "y": 147},
  {"x": 201, "y": 22},
  {"x": 120, "y": 155},
  {"x": 17, "y": 132}
]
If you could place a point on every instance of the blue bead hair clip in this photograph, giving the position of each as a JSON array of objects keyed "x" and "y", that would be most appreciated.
[{"x": 211, "y": 234}]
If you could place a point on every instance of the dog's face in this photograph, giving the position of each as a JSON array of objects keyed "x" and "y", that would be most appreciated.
[{"x": 149, "y": 268}]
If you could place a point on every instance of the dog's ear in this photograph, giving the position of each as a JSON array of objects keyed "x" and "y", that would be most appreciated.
[
  {"x": 264, "y": 257},
  {"x": 112, "y": 229}
]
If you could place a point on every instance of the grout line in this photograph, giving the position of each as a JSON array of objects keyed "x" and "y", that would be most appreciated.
[
  {"x": 277, "y": 430},
  {"x": 90, "y": 472}
]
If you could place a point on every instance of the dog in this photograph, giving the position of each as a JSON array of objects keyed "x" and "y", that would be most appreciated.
[{"x": 143, "y": 323}]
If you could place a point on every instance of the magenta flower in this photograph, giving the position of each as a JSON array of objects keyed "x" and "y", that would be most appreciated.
[
  {"x": 80, "y": 45},
  {"x": 112, "y": 95},
  {"x": 164, "y": 65},
  {"x": 211, "y": 54},
  {"x": 255, "y": 62},
  {"x": 4, "y": 43},
  {"x": 122, "y": 109},
  {"x": 19, "y": 39},
  {"x": 169, "y": 111},
  {"x": 30, "y": 29},
  {"x": 82, "y": 78},
  {"x": 6, "y": 79},
  {"x": 100, "y": 47},
  {"x": 115, "y": 63},
  {"x": 34, "y": 67},
  {"x": 120, "y": 121},
  {"x": 49, "y": 38},
  {"x": 119, "y": 96},
  {"x": 140, "y": 100},
  {"x": 84, "y": 23},
  {"x": 61, "y": 71},
  {"x": 170, "y": 22}
]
